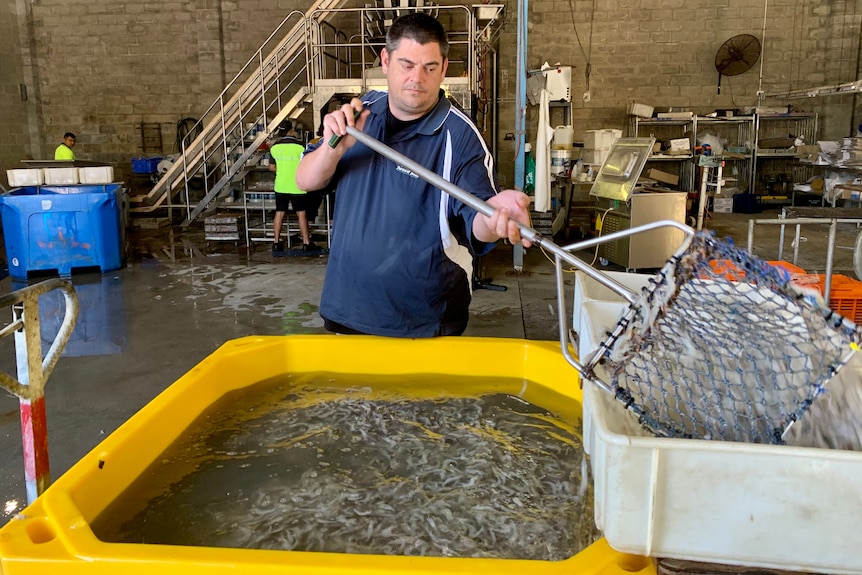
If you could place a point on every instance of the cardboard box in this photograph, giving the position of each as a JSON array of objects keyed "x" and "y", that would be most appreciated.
[
  {"x": 722, "y": 205},
  {"x": 678, "y": 144},
  {"x": 808, "y": 153},
  {"x": 598, "y": 139},
  {"x": 662, "y": 177}
]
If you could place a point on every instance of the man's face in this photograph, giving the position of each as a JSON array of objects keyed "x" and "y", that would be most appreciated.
[
  {"x": 69, "y": 142},
  {"x": 414, "y": 73}
]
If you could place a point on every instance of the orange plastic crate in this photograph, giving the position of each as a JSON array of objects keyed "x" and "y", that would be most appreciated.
[
  {"x": 732, "y": 273},
  {"x": 845, "y": 296}
]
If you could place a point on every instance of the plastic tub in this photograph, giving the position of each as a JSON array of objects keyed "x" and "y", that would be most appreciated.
[
  {"x": 62, "y": 228},
  {"x": 53, "y": 535},
  {"x": 146, "y": 165},
  {"x": 777, "y": 507}
]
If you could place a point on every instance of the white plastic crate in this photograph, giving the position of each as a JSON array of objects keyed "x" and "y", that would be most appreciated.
[
  {"x": 587, "y": 289},
  {"x": 722, "y": 502},
  {"x": 96, "y": 175},
  {"x": 595, "y": 157},
  {"x": 24, "y": 177},
  {"x": 60, "y": 176},
  {"x": 601, "y": 138}
]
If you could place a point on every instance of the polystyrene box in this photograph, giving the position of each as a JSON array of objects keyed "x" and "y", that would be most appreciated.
[
  {"x": 96, "y": 175},
  {"x": 60, "y": 176},
  {"x": 24, "y": 177},
  {"x": 751, "y": 505},
  {"x": 640, "y": 110}
]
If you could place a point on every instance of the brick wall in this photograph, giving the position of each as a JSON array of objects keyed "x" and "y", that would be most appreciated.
[
  {"x": 662, "y": 53},
  {"x": 102, "y": 67},
  {"x": 106, "y": 67},
  {"x": 15, "y": 131}
]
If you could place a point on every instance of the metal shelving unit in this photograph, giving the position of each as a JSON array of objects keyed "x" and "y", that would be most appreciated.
[
  {"x": 259, "y": 209},
  {"x": 774, "y": 171},
  {"x": 669, "y": 130},
  {"x": 736, "y": 132}
]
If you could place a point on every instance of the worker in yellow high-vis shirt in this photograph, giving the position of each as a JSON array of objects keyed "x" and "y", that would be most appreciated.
[{"x": 64, "y": 150}]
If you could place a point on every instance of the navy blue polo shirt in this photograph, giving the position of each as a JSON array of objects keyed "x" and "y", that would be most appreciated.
[{"x": 402, "y": 250}]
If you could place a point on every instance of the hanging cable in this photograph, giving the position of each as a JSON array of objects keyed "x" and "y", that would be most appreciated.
[
  {"x": 588, "y": 53},
  {"x": 187, "y": 130}
]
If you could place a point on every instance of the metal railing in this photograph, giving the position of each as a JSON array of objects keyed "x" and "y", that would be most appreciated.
[
  {"x": 789, "y": 219},
  {"x": 272, "y": 85}
]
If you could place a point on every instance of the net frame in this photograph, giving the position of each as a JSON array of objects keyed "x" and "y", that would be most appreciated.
[{"x": 721, "y": 345}]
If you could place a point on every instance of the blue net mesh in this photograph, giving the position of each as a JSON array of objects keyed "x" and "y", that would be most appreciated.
[{"x": 723, "y": 346}]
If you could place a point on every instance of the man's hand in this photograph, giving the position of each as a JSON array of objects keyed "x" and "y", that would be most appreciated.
[
  {"x": 317, "y": 168},
  {"x": 510, "y": 207},
  {"x": 336, "y": 123}
]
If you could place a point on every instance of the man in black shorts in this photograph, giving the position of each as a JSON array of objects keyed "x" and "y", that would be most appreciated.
[{"x": 286, "y": 154}]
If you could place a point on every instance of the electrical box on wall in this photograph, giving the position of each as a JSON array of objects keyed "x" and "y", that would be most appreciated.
[{"x": 559, "y": 83}]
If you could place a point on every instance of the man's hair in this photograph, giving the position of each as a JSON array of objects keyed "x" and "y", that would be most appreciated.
[
  {"x": 69, "y": 135},
  {"x": 419, "y": 27},
  {"x": 285, "y": 127}
]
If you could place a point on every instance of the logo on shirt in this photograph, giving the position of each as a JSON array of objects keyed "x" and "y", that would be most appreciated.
[{"x": 404, "y": 170}]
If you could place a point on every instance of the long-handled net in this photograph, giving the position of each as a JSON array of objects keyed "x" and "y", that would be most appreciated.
[{"x": 724, "y": 346}]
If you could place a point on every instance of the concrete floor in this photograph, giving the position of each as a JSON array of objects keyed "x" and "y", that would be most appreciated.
[{"x": 179, "y": 298}]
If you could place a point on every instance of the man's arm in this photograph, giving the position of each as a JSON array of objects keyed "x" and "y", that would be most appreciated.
[
  {"x": 510, "y": 207},
  {"x": 317, "y": 167}
]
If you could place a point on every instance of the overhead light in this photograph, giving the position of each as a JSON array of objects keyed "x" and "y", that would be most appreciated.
[{"x": 848, "y": 88}]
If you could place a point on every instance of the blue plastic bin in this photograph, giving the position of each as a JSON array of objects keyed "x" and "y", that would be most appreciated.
[
  {"x": 145, "y": 165},
  {"x": 62, "y": 228}
]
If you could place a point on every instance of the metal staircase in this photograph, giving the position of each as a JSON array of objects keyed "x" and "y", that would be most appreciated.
[
  {"x": 306, "y": 61},
  {"x": 273, "y": 85}
]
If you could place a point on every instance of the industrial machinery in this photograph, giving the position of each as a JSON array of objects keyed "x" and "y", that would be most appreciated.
[{"x": 621, "y": 205}]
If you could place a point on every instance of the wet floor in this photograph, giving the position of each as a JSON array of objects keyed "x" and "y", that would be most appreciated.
[{"x": 179, "y": 298}]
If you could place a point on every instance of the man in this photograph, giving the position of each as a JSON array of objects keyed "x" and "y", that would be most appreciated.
[
  {"x": 286, "y": 154},
  {"x": 64, "y": 150},
  {"x": 402, "y": 250}
]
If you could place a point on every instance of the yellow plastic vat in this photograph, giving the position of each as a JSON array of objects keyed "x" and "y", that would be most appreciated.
[{"x": 54, "y": 536}]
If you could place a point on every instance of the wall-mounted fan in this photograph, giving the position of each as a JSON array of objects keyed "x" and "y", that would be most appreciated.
[{"x": 736, "y": 56}]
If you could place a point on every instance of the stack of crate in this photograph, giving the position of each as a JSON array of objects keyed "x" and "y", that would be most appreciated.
[
  {"x": 224, "y": 227},
  {"x": 597, "y": 144}
]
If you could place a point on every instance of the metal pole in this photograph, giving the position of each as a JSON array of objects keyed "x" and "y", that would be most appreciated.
[
  {"x": 521, "y": 116},
  {"x": 796, "y": 241},
  {"x": 750, "y": 236},
  {"x": 830, "y": 254},
  {"x": 701, "y": 203}
]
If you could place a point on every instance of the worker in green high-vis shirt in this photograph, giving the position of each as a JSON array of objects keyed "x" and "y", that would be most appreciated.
[
  {"x": 286, "y": 153},
  {"x": 64, "y": 150}
]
